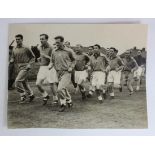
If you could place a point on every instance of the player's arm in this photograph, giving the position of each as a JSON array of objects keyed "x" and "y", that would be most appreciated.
[
  {"x": 51, "y": 64},
  {"x": 46, "y": 56},
  {"x": 106, "y": 61},
  {"x": 107, "y": 64},
  {"x": 90, "y": 65},
  {"x": 87, "y": 59},
  {"x": 12, "y": 58},
  {"x": 120, "y": 63},
  {"x": 31, "y": 57},
  {"x": 73, "y": 60},
  {"x": 136, "y": 65}
]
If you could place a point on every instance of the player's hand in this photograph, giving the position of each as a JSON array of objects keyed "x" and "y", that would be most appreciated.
[
  {"x": 86, "y": 67},
  {"x": 50, "y": 66},
  {"x": 39, "y": 59},
  {"x": 11, "y": 61},
  {"x": 70, "y": 69},
  {"x": 28, "y": 67}
]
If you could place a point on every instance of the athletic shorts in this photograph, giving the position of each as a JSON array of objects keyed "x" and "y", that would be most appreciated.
[
  {"x": 80, "y": 76},
  {"x": 48, "y": 76},
  {"x": 138, "y": 72},
  {"x": 98, "y": 79},
  {"x": 114, "y": 77}
]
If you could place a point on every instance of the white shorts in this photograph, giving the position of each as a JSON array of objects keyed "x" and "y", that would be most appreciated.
[
  {"x": 98, "y": 79},
  {"x": 80, "y": 76},
  {"x": 114, "y": 77},
  {"x": 138, "y": 73},
  {"x": 48, "y": 76}
]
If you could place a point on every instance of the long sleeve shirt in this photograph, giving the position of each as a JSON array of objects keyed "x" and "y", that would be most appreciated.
[
  {"x": 63, "y": 59},
  {"x": 22, "y": 56},
  {"x": 115, "y": 62},
  {"x": 99, "y": 64}
]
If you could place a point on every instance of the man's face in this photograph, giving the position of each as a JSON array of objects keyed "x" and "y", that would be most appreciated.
[
  {"x": 90, "y": 50},
  {"x": 43, "y": 40},
  {"x": 19, "y": 40},
  {"x": 139, "y": 52},
  {"x": 58, "y": 43},
  {"x": 127, "y": 54},
  {"x": 112, "y": 52},
  {"x": 96, "y": 50}
]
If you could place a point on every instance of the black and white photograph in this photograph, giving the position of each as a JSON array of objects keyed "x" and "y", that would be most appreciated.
[{"x": 77, "y": 76}]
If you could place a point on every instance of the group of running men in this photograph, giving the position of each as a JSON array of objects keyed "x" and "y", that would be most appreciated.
[{"x": 60, "y": 66}]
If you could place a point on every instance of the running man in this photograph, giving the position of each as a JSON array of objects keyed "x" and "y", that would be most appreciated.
[
  {"x": 63, "y": 60},
  {"x": 130, "y": 65},
  {"x": 98, "y": 65},
  {"x": 46, "y": 73},
  {"x": 139, "y": 72},
  {"x": 114, "y": 72},
  {"x": 23, "y": 58},
  {"x": 81, "y": 73}
]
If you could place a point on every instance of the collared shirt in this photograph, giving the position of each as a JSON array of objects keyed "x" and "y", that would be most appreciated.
[
  {"x": 115, "y": 62},
  {"x": 81, "y": 61},
  {"x": 45, "y": 50},
  {"x": 22, "y": 56},
  {"x": 99, "y": 64},
  {"x": 63, "y": 58}
]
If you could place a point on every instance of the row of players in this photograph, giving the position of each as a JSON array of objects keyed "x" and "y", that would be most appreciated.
[{"x": 59, "y": 65}]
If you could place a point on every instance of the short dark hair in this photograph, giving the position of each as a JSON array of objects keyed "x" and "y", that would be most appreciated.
[
  {"x": 19, "y": 35},
  {"x": 59, "y": 37},
  {"x": 115, "y": 50},
  {"x": 46, "y": 36},
  {"x": 97, "y": 45},
  {"x": 91, "y": 47},
  {"x": 128, "y": 51}
]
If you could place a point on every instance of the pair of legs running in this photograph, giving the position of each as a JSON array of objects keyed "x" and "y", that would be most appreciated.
[
  {"x": 129, "y": 77},
  {"x": 50, "y": 76},
  {"x": 63, "y": 93},
  {"x": 114, "y": 81},
  {"x": 22, "y": 86},
  {"x": 80, "y": 79},
  {"x": 98, "y": 85},
  {"x": 138, "y": 77}
]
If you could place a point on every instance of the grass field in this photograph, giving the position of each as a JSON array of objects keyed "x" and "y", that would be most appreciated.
[{"x": 123, "y": 112}]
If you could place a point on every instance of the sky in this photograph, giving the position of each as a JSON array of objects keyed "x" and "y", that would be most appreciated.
[{"x": 120, "y": 36}]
